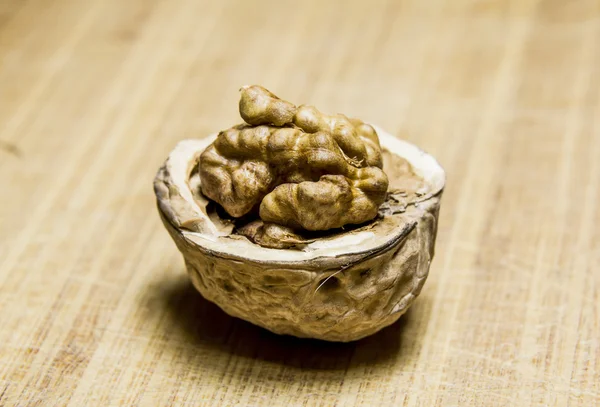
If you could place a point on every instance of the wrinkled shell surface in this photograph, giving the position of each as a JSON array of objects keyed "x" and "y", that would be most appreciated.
[{"x": 338, "y": 289}]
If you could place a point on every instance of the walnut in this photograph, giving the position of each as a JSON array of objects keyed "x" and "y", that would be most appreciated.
[
  {"x": 299, "y": 168},
  {"x": 332, "y": 284}
]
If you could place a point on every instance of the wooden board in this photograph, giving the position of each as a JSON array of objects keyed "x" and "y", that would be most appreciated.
[{"x": 95, "y": 307}]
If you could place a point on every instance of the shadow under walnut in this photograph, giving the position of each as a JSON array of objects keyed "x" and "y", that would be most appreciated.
[
  {"x": 339, "y": 288},
  {"x": 200, "y": 323}
]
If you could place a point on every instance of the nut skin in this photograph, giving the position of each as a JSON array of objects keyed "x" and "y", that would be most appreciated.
[{"x": 301, "y": 168}]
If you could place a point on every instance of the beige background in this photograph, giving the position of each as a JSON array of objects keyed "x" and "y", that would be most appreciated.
[{"x": 95, "y": 307}]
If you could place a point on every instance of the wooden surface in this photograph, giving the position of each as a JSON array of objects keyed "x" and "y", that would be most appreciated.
[{"x": 95, "y": 307}]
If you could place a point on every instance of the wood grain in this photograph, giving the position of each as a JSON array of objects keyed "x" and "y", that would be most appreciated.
[{"x": 95, "y": 307}]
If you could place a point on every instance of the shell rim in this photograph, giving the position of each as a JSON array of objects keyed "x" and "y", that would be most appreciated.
[{"x": 424, "y": 164}]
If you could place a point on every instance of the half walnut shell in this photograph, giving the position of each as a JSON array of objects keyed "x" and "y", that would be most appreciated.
[{"x": 337, "y": 287}]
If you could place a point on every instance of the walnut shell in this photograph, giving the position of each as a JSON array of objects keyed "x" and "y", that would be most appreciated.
[{"x": 338, "y": 288}]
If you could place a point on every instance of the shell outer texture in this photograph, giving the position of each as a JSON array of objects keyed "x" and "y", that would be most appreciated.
[{"x": 342, "y": 297}]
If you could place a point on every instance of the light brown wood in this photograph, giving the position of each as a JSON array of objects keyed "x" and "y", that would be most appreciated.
[{"x": 95, "y": 307}]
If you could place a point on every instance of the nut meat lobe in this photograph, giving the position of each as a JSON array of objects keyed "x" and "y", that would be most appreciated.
[{"x": 299, "y": 168}]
